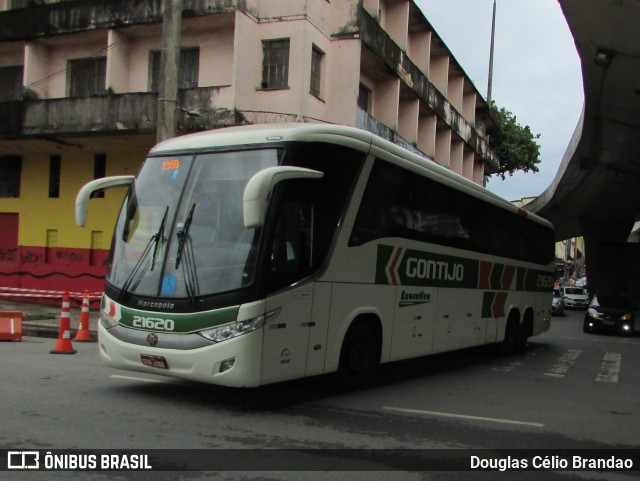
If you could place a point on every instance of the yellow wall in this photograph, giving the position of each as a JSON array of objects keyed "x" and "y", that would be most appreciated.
[{"x": 39, "y": 213}]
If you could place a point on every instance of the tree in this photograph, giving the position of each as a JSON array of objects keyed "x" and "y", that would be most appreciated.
[{"x": 515, "y": 145}]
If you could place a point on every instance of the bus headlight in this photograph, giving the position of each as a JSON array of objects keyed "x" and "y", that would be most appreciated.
[
  {"x": 235, "y": 329},
  {"x": 229, "y": 331},
  {"x": 625, "y": 317}
]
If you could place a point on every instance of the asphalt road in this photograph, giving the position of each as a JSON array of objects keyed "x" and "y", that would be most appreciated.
[{"x": 568, "y": 390}]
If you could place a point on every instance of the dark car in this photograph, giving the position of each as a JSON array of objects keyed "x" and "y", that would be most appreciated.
[
  {"x": 557, "y": 304},
  {"x": 613, "y": 313}
]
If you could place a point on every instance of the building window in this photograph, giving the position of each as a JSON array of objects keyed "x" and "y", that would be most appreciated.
[
  {"x": 188, "y": 71},
  {"x": 10, "y": 172},
  {"x": 275, "y": 64},
  {"x": 99, "y": 171},
  {"x": 87, "y": 77},
  {"x": 54, "y": 176},
  {"x": 11, "y": 83},
  {"x": 317, "y": 57},
  {"x": 364, "y": 98},
  {"x": 15, "y": 4}
]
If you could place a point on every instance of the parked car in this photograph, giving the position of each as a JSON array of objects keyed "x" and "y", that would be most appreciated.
[
  {"x": 557, "y": 304},
  {"x": 614, "y": 313},
  {"x": 582, "y": 282},
  {"x": 576, "y": 297}
]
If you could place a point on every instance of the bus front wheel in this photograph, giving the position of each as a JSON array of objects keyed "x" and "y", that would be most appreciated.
[{"x": 359, "y": 357}]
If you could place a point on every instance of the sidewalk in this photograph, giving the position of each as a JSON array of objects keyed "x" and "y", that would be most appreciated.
[{"x": 44, "y": 321}]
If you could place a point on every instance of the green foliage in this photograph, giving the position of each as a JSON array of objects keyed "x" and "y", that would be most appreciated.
[{"x": 515, "y": 145}]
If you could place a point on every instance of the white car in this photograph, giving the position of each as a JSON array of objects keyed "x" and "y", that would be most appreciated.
[{"x": 575, "y": 297}]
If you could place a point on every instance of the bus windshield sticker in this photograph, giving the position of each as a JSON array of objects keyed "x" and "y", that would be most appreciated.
[{"x": 169, "y": 285}]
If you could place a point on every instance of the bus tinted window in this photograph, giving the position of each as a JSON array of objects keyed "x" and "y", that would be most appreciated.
[{"x": 401, "y": 203}]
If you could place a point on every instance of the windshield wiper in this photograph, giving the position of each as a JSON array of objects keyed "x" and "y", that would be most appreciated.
[
  {"x": 190, "y": 273},
  {"x": 159, "y": 236},
  {"x": 185, "y": 247},
  {"x": 183, "y": 234},
  {"x": 141, "y": 267}
]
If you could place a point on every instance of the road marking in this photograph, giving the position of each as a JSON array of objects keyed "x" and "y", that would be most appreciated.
[
  {"x": 462, "y": 416},
  {"x": 507, "y": 368},
  {"x": 133, "y": 378},
  {"x": 566, "y": 362},
  {"x": 610, "y": 367},
  {"x": 513, "y": 365}
]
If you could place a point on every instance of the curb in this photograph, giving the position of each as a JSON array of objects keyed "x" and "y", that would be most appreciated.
[{"x": 39, "y": 330}]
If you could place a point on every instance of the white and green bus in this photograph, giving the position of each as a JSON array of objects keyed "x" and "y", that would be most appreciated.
[{"x": 251, "y": 255}]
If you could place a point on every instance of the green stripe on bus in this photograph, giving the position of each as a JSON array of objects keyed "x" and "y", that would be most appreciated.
[
  {"x": 487, "y": 302},
  {"x": 177, "y": 322},
  {"x": 409, "y": 267},
  {"x": 496, "y": 276}
]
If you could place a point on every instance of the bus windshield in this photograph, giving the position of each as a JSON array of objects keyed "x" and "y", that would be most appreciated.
[{"x": 180, "y": 232}]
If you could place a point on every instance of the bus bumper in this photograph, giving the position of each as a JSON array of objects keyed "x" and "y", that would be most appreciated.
[{"x": 208, "y": 364}]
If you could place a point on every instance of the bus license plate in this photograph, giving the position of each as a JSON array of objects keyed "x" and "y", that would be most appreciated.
[{"x": 154, "y": 361}]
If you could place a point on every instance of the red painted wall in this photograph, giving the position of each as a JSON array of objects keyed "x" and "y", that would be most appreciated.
[{"x": 59, "y": 269}]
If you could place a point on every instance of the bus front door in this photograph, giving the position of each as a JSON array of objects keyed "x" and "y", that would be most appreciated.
[{"x": 286, "y": 335}]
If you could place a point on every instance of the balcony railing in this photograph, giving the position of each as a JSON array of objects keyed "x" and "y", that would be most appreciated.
[
  {"x": 107, "y": 114},
  {"x": 81, "y": 15}
]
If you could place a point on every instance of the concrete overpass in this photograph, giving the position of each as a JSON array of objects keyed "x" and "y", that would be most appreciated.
[{"x": 596, "y": 193}]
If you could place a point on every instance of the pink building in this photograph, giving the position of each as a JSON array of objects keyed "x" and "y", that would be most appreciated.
[{"x": 79, "y": 100}]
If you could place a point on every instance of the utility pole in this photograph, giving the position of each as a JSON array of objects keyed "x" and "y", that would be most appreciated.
[
  {"x": 169, "y": 64},
  {"x": 493, "y": 32}
]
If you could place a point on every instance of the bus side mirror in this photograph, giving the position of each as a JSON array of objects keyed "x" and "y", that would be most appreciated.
[
  {"x": 84, "y": 194},
  {"x": 259, "y": 188}
]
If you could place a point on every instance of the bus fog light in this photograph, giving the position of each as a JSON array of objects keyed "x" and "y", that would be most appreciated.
[
  {"x": 626, "y": 328},
  {"x": 226, "y": 365}
]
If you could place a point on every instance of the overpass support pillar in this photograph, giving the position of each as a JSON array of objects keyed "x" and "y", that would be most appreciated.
[{"x": 612, "y": 263}]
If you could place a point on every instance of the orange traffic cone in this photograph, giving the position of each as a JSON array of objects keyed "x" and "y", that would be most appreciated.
[
  {"x": 83, "y": 334},
  {"x": 64, "y": 346}
]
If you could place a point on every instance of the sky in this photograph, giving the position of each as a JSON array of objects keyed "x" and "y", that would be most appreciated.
[{"x": 536, "y": 73}]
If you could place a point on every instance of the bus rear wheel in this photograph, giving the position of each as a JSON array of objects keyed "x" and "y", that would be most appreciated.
[{"x": 359, "y": 357}]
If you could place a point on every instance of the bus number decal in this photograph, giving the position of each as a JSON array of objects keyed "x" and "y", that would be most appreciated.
[{"x": 153, "y": 323}]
